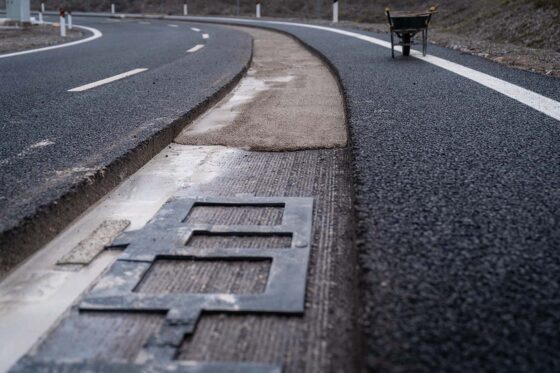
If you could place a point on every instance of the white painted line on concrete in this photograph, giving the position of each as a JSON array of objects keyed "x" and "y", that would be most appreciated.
[
  {"x": 196, "y": 48},
  {"x": 107, "y": 80},
  {"x": 527, "y": 97},
  {"x": 172, "y": 25},
  {"x": 205, "y": 36},
  {"x": 96, "y": 35},
  {"x": 195, "y": 29}
]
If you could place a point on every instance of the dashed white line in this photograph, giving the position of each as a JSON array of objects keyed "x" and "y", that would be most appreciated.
[
  {"x": 96, "y": 34},
  {"x": 205, "y": 36},
  {"x": 172, "y": 25},
  {"x": 107, "y": 80},
  {"x": 195, "y": 29},
  {"x": 195, "y": 48}
]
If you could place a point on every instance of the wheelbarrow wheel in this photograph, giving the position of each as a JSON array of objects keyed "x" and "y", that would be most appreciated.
[{"x": 406, "y": 48}]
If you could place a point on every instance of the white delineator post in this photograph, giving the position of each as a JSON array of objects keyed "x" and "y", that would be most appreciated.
[
  {"x": 112, "y": 8},
  {"x": 69, "y": 20},
  {"x": 62, "y": 23},
  {"x": 258, "y": 8},
  {"x": 185, "y": 9},
  {"x": 42, "y": 7},
  {"x": 335, "y": 11},
  {"x": 40, "y": 17}
]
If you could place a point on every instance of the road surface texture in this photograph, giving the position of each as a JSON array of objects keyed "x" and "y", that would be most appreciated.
[
  {"x": 56, "y": 142},
  {"x": 456, "y": 189}
]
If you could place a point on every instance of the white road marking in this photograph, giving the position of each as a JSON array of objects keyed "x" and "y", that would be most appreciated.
[
  {"x": 107, "y": 80},
  {"x": 527, "y": 97},
  {"x": 96, "y": 35},
  {"x": 195, "y": 29},
  {"x": 144, "y": 23},
  {"x": 205, "y": 36},
  {"x": 196, "y": 48},
  {"x": 172, "y": 25}
]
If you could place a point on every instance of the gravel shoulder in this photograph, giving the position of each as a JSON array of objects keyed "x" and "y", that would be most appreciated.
[{"x": 37, "y": 36}]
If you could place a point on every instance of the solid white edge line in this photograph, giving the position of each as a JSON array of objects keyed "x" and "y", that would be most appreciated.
[
  {"x": 527, "y": 97},
  {"x": 195, "y": 48},
  {"x": 107, "y": 80},
  {"x": 96, "y": 35},
  {"x": 205, "y": 36},
  {"x": 195, "y": 29}
]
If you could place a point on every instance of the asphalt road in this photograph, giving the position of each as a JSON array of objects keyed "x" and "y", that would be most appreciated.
[
  {"x": 457, "y": 192},
  {"x": 51, "y": 138},
  {"x": 458, "y": 199}
]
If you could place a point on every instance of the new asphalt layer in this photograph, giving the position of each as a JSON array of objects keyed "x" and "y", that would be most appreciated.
[
  {"x": 457, "y": 198},
  {"x": 53, "y": 140}
]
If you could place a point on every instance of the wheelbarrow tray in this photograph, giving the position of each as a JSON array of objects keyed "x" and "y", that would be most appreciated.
[
  {"x": 405, "y": 25},
  {"x": 410, "y": 22}
]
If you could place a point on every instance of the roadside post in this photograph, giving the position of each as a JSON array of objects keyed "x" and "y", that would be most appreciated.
[
  {"x": 185, "y": 9},
  {"x": 258, "y": 8},
  {"x": 112, "y": 8},
  {"x": 42, "y": 7},
  {"x": 40, "y": 17},
  {"x": 62, "y": 23},
  {"x": 335, "y": 11},
  {"x": 69, "y": 20}
]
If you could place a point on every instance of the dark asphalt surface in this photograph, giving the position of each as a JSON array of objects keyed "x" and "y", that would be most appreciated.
[
  {"x": 457, "y": 191},
  {"x": 91, "y": 129},
  {"x": 458, "y": 199}
]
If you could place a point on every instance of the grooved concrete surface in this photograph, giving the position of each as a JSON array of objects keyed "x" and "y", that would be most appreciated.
[
  {"x": 289, "y": 100},
  {"x": 308, "y": 343}
]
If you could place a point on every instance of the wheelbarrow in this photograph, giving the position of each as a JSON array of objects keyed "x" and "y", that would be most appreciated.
[{"x": 405, "y": 25}]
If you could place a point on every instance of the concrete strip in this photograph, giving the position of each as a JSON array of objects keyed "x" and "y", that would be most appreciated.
[
  {"x": 288, "y": 101},
  {"x": 35, "y": 295}
]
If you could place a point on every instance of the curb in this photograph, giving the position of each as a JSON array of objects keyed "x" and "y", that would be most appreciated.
[{"x": 31, "y": 233}]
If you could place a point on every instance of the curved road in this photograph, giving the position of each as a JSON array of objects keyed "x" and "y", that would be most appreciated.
[{"x": 457, "y": 192}]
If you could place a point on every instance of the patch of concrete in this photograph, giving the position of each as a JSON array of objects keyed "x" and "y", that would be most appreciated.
[
  {"x": 289, "y": 100},
  {"x": 36, "y": 294},
  {"x": 89, "y": 248}
]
